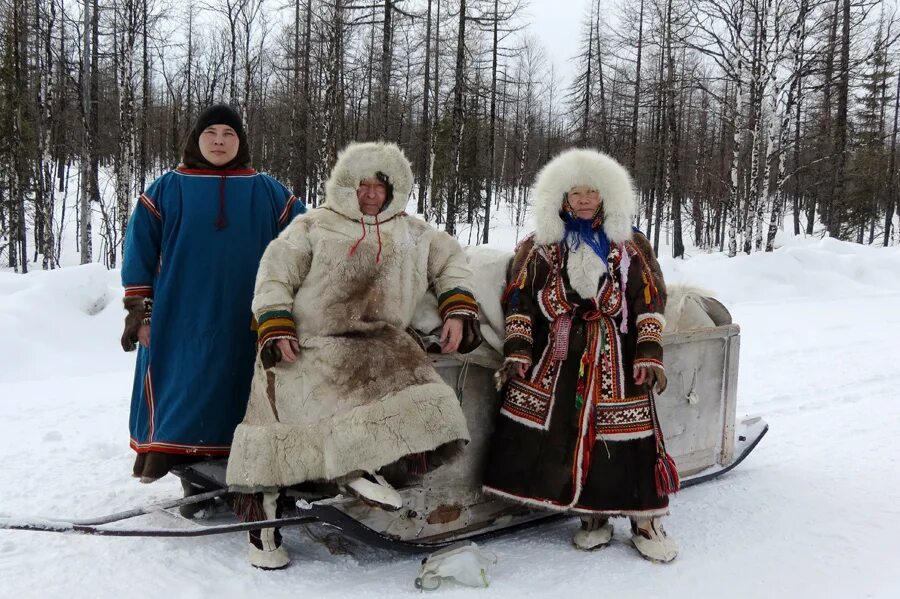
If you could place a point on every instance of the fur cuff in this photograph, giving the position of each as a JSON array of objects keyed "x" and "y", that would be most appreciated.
[
  {"x": 276, "y": 324},
  {"x": 649, "y": 363},
  {"x": 457, "y": 303}
]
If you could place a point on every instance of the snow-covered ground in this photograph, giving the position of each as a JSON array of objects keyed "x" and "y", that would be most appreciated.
[{"x": 812, "y": 512}]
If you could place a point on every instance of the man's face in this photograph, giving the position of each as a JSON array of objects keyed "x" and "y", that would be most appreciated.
[
  {"x": 219, "y": 144},
  {"x": 371, "y": 194}
]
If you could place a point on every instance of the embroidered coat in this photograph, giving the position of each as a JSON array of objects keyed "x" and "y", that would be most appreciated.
[
  {"x": 191, "y": 385},
  {"x": 362, "y": 394},
  {"x": 577, "y": 434}
]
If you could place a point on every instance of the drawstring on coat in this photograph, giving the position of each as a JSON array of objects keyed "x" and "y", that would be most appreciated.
[
  {"x": 363, "y": 236},
  {"x": 221, "y": 219}
]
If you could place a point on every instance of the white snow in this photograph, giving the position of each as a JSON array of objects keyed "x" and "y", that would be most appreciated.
[{"x": 812, "y": 512}]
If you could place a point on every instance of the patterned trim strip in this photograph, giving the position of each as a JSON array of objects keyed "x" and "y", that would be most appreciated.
[
  {"x": 650, "y": 327},
  {"x": 180, "y": 448},
  {"x": 276, "y": 324},
  {"x": 139, "y": 291},
  {"x": 518, "y": 327},
  {"x": 457, "y": 302},
  {"x": 148, "y": 310},
  {"x": 285, "y": 214},
  {"x": 624, "y": 418},
  {"x": 150, "y": 205}
]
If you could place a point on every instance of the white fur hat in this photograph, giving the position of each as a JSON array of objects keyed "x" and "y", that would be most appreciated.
[
  {"x": 593, "y": 169},
  {"x": 359, "y": 161}
]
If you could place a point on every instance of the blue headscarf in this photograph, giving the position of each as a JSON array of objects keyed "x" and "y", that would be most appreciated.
[{"x": 581, "y": 230}]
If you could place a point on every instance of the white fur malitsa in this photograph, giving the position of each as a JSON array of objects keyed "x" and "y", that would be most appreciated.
[
  {"x": 595, "y": 170},
  {"x": 362, "y": 393}
]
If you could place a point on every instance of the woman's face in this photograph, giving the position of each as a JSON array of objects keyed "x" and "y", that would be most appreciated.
[
  {"x": 584, "y": 201},
  {"x": 371, "y": 194},
  {"x": 219, "y": 144}
]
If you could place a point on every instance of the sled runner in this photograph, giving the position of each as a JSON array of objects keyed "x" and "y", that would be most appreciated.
[{"x": 697, "y": 413}]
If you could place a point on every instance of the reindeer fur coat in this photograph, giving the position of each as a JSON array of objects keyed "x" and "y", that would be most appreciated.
[{"x": 362, "y": 393}]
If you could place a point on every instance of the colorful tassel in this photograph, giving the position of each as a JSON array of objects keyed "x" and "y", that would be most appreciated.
[{"x": 667, "y": 480}]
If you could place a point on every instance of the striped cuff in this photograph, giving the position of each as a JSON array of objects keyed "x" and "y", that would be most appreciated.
[
  {"x": 139, "y": 291},
  {"x": 276, "y": 324},
  {"x": 650, "y": 327},
  {"x": 518, "y": 328},
  {"x": 457, "y": 302}
]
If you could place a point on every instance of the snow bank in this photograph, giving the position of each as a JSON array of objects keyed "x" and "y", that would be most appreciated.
[{"x": 61, "y": 323}]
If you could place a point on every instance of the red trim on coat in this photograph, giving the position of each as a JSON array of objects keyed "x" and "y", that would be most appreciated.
[
  {"x": 150, "y": 205},
  {"x": 283, "y": 219},
  {"x": 139, "y": 291},
  {"x": 179, "y": 449},
  {"x": 208, "y": 171},
  {"x": 148, "y": 396}
]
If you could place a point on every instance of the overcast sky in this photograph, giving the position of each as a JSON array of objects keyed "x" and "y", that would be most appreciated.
[{"x": 557, "y": 23}]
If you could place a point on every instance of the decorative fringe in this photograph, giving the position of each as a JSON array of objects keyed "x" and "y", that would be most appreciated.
[{"x": 667, "y": 480}]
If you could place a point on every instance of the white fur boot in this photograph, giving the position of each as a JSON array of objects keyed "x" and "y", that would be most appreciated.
[
  {"x": 651, "y": 540},
  {"x": 374, "y": 489},
  {"x": 266, "y": 551},
  {"x": 595, "y": 532}
]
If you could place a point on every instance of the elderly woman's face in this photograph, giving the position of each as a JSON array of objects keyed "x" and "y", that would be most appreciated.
[
  {"x": 371, "y": 194},
  {"x": 584, "y": 201},
  {"x": 219, "y": 144}
]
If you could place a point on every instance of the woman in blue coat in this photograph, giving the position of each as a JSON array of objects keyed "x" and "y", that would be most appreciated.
[{"x": 191, "y": 253}]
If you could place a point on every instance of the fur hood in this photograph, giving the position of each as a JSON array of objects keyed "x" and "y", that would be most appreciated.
[
  {"x": 583, "y": 167},
  {"x": 360, "y": 161}
]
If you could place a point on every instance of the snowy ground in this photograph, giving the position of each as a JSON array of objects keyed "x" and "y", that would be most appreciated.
[{"x": 812, "y": 512}]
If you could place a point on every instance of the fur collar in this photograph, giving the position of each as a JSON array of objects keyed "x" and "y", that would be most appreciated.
[
  {"x": 583, "y": 167},
  {"x": 360, "y": 161},
  {"x": 585, "y": 269}
]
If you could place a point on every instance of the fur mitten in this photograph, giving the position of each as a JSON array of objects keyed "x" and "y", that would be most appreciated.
[{"x": 139, "y": 311}]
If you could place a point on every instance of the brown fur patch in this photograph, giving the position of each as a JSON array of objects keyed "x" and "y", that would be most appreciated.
[{"x": 270, "y": 392}]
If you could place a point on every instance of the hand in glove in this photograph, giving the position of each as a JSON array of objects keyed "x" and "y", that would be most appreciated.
[
  {"x": 652, "y": 375},
  {"x": 137, "y": 322}
]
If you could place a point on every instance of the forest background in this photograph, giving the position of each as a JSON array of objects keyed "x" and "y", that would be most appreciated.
[{"x": 737, "y": 118}]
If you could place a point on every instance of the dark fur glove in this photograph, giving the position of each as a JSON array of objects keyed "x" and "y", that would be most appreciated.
[
  {"x": 270, "y": 354},
  {"x": 471, "y": 337},
  {"x": 139, "y": 311}
]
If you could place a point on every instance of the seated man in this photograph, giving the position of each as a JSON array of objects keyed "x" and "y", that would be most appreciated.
[{"x": 341, "y": 389}]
